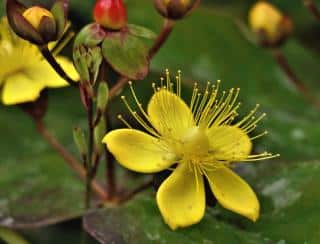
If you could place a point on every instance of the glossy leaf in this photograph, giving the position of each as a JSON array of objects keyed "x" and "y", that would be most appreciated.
[{"x": 140, "y": 222}]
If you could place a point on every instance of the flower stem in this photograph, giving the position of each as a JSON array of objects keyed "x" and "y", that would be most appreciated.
[
  {"x": 312, "y": 8},
  {"x": 115, "y": 90},
  {"x": 89, "y": 176},
  {"x": 167, "y": 28},
  {"x": 53, "y": 62},
  {"x": 162, "y": 37},
  {"x": 293, "y": 78},
  {"x": 134, "y": 192},
  {"x": 110, "y": 167},
  {"x": 71, "y": 161}
]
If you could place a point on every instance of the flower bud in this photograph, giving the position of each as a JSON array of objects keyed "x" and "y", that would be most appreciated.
[
  {"x": 271, "y": 26},
  {"x": 80, "y": 141},
  {"x": 36, "y": 24},
  {"x": 99, "y": 133},
  {"x": 111, "y": 14},
  {"x": 103, "y": 96},
  {"x": 35, "y": 14},
  {"x": 174, "y": 9}
]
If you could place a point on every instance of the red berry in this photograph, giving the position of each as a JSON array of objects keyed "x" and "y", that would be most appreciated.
[{"x": 111, "y": 14}]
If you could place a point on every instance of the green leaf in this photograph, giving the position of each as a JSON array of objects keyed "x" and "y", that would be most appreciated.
[
  {"x": 37, "y": 187},
  {"x": 38, "y": 191},
  {"x": 64, "y": 233},
  {"x": 126, "y": 54},
  {"x": 290, "y": 197},
  {"x": 139, "y": 221}
]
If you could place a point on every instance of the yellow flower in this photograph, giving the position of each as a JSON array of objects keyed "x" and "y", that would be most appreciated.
[
  {"x": 201, "y": 140},
  {"x": 24, "y": 73}
]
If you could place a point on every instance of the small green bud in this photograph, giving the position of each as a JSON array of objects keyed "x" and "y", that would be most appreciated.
[
  {"x": 80, "y": 141},
  {"x": 80, "y": 63},
  {"x": 103, "y": 96},
  {"x": 99, "y": 133},
  {"x": 87, "y": 61}
]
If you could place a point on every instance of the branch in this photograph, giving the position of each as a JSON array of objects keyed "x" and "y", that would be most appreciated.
[
  {"x": 312, "y": 8},
  {"x": 134, "y": 192},
  {"x": 162, "y": 37},
  {"x": 293, "y": 78},
  {"x": 114, "y": 91},
  {"x": 56, "y": 66},
  {"x": 110, "y": 166},
  {"x": 71, "y": 161}
]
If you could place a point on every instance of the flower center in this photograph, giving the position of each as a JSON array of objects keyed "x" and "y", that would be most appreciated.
[{"x": 194, "y": 144}]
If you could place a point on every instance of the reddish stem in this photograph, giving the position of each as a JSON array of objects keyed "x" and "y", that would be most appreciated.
[
  {"x": 293, "y": 78},
  {"x": 162, "y": 37},
  {"x": 312, "y": 8},
  {"x": 70, "y": 160}
]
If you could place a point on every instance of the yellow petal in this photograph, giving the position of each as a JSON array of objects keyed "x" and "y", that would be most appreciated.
[
  {"x": 19, "y": 88},
  {"x": 233, "y": 193},
  {"x": 169, "y": 114},
  {"x": 181, "y": 197},
  {"x": 43, "y": 72},
  {"x": 229, "y": 143},
  {"x": 138, "y": 151}
]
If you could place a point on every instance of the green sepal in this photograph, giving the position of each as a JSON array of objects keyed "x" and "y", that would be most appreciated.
[
  {"x": 87, "y": 62},
  {"x": 59, "y": 12},
  {"x": 141, "y": 31},
  {"x": 126, "y": 54},
  {"x": 80, "y": 63},
  {"x": 91, "y": 35},
  {"x": 95, "y": 59}
]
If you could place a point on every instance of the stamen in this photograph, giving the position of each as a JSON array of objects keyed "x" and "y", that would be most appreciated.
[
  {"x": 178, "y": 83},
  {"x": 138, "y": 118},
  {"x": 124, "y": 121},
  {"x": 137, "y": 101},
  {"x": 194, "y": 95},
  {"x": 260, "y": 135},
  {"x": 252, "y": 112},
  {"x": 260, "y": 157},
  {"x": 161, "y": 82},
  {"x": 255, "y": 122},
  {"x": 168, "y": 79}
]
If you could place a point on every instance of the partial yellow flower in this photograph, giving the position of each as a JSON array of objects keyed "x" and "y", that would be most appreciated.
[
  {"x": 201, "y": 140},
  {"x": 24, "y": 73}
]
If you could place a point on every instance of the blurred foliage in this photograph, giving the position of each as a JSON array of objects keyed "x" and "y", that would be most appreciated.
[{"x": 206, "y": 46}]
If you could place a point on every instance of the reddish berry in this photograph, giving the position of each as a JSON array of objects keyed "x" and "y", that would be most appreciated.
[{"x": 111, "y": 14}]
